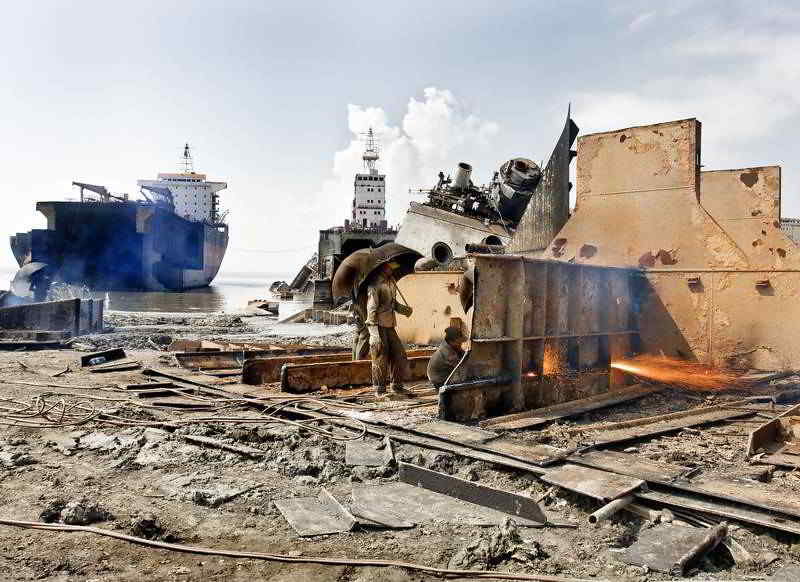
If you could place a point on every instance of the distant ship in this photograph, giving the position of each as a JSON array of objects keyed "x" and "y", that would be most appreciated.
[{"x": 173, "y": 239}]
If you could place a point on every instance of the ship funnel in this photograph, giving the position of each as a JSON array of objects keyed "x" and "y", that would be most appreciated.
[{"x": 463, "y": 172}]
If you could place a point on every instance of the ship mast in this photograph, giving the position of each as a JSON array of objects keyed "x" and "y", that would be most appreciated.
[
  {"x": 186, "y": 163},
  {"x": 370, "y": 155}
]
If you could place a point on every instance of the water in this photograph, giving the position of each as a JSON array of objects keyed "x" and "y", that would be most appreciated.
[{"x": 227, "y": 293}]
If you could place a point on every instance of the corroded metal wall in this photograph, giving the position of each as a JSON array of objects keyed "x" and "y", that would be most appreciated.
[
  {"x": 553, "y": 327},
  {"x": 723, "y": 280},
  {"x": 434, "y": 297},
  {"x": 548, "y": 209}
]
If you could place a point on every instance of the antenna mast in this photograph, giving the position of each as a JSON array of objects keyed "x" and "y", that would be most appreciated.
[
  {"x": 187, "y": 164},
  {"x": 371, "y": 151}
]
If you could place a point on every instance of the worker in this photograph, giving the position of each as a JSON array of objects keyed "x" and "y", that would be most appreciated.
[
  {"x": 447, "y": 357},
  {"x": 388, "y": 354},
  {"x": 361, "y": 341}
]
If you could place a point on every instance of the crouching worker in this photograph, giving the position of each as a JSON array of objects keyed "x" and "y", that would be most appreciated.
[
  {"x": 389, "y": 363},
  {"x": 447, "y": 357}
]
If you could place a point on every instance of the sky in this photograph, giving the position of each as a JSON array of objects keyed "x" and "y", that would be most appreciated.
[{"x": 272, "y": 96}]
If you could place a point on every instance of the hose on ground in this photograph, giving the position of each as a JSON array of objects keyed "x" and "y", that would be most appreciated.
[{"x": 480, "y": 574}]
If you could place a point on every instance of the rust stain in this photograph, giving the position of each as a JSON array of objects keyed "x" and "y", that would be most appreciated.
[
  {"x": 749, "y": 178},
  {"x": 587, "y": 251}
]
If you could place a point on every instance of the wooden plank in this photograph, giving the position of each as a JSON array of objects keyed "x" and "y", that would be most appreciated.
[
  {"x": 600, "y": 485},
  {"x": 516, "y": 505},
  {"x": 541, "y": 416},
  {"x": 301, "y": 378}
]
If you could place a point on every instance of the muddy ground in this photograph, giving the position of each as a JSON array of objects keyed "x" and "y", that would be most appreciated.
[{"x": 152, "y": 483}]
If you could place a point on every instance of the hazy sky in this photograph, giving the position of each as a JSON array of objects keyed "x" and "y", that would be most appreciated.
[{"x": 272, "y": 94}]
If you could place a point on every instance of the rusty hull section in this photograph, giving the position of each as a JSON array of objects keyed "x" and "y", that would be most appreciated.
[
  {"x": 552, "y": 327},
  {"x": 302, "y": 378},
  {"x": 434, "y": 297},
  {"x": 722, "y": 279},
  {"x": 548, "y": 209}
]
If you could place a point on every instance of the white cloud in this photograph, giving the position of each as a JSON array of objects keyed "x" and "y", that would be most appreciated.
[
  {"x": 435, "y": 133},
  {"x": 640, "y": 21}
]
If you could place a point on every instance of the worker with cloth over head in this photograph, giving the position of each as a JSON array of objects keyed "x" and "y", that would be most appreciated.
[
  {"x": 389, "y": 363},
  {"x": 447, "y": 357},
  {"x": 361, "y": 341}
]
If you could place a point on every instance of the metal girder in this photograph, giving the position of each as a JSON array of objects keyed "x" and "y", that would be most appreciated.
[{"x": 301, "y": 378}]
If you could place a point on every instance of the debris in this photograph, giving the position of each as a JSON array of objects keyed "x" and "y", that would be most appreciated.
[
  {"x": 310, "y": 516},
  {"x": 611, "y": 508},
  {"x": 501, "y": 544},
  {"x": 671, "y": 548},
  {"x": 103, "y": 357},
  {"x": 238, "y": 449},
  {"x": 83, "y": 512},
  {"x": 148, "y": 526},
  {"x": 778, "y": 441},
  {"x": 302, "y": 378},
  {"x": 383, "y": 519}
]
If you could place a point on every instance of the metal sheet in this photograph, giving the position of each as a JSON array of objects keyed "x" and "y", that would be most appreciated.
[
  {"x": 458, "y": 432},
  {"x": 301, "y": 378},
  {"x": 383, "y": 519},
  {"x": 565, "y": 307},
  {"x": 313, "y": 516},
  {"x": 368, "y": 453},
  {"x": 723, "y": 509},
  {"x": 664, "y": 427},
  {"x": 626, "y": 464},
  {"x": 548, "y": 208},
  {"x": 668, "y": 547},
  {"x": 592, "y": 482},
  {"x": 434, "y": 295},
  {"x": 260, "y": 371},
  {"x": 518, "y": 506},
  {"x": 541, "y": 416},
  {"x": 537, "y": 454}
]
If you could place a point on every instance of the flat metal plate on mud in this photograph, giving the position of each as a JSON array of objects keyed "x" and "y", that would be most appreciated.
[
  {"x": 592, "y": 482},
  {"x": 538, "y": 454},
  {"x": 662, "y": 548},
  {"x": 381, "y": 519},
  {"x": 314, "y": 516},
  {"x": 627, "y": 464},
  {"x": 421, "y": 505},
  {"x": 455, "y": 431},
  {"x": 368, "y": 453},
  {"x": 517, "y": 506}
]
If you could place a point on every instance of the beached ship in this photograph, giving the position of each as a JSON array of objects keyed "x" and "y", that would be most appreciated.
[{"x": 174, "y": 238}]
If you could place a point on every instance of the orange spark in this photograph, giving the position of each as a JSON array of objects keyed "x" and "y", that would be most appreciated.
[{"x": 690, "y": 375}]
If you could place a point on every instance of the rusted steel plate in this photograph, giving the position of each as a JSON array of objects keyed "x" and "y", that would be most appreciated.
[
  {"x": 236, "y": 358},
  {"x": 455, "y": 431},
  {"x": 422, "y": 505},
  {"x": 368, "y": 453},
  {"x": 521, "y": 507},
  {"x": 541, "y": 416},
  {"x": 301, "y": 378},
  {"x": 537, "y": 454},
  {"x": 778, "y": 440},
  {"x": 313, "y": 516},
  {"x": 626, "y": 464},
  {"x": 548, "y": 208},
  {"x": 592, "y": 482},
  {"x": 703, "y": 416},
  {"x": 259, "y": 371},
  {"x": 670, "y": 548},
  {"x": 722, "y": 508},
  {"x": 381, "y": 519}
]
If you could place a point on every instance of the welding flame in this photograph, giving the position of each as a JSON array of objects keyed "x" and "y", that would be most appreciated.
[{"x": 689, "y": 375}]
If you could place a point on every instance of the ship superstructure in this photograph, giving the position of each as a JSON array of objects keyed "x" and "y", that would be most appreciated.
[
  {"x": 369, "y": 196},
  {"x": 173, "y": 239},
  {"x": 191, "y": 195}
]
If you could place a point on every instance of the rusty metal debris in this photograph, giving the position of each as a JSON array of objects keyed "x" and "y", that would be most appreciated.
[
  {"x": 303, "y": 378},
  {"x": 672, "y": 548},
  {"x": 313, "y": 516},
  {"x": 777, "y": 442}
]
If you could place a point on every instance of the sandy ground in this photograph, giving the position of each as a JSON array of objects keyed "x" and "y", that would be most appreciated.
[{"x": 154, "y": 483}]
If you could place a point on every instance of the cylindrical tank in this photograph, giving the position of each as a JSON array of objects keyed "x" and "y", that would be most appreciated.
[{"x": 461, "y": 180}]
